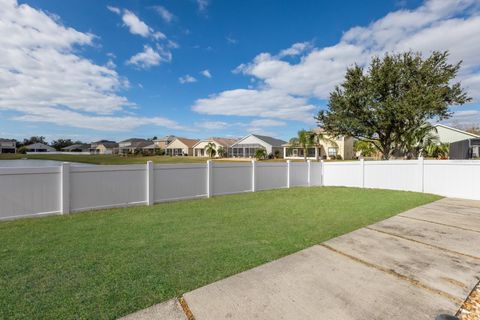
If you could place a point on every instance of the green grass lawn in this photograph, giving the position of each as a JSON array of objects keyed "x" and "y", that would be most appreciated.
[
  {"x": 109, "y": 263},
  {"x": 104, "y": 159}
]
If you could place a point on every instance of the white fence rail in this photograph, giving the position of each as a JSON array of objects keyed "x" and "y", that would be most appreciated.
[{"x": 60, "y": 190}]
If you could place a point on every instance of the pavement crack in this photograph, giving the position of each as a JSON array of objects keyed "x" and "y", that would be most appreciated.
[
  {"x": 397, "y": 275},
  {"x": 439, "y": 223},
  {"x": 424, "y": 243},
  {"x": 186, "y": 309}
]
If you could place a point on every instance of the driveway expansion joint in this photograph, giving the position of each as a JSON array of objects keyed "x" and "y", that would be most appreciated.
[
  {"x": 186, "y": 308},
  {"x": 394, "y": 273},
  {"x": 439, "y": 223},
  {"x": 424, "y": 243},
  {"x": 470, "y": 309}
]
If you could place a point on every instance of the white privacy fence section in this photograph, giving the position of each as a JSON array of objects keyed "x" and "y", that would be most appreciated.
[{"x": 68, "y": 188}]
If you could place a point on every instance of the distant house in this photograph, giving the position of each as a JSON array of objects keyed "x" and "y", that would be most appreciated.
[
  {"x": 448, "y": 134},
  {"x": 132, "y": 145},
  {"x": 39, "y": 147},
  {"x": 247, "y": 146},
  {"x": 8, "y": 146},
  {"x": 331, "y": 148},
  {"x": 104, "y": 147},
  {"x": 162, "y": 143},
  {"x": 77, "y": 148},
  {"x": 465, "y": 149},
  {"x": 180, "y": 147},
  {"x": 199, "y": 149}
]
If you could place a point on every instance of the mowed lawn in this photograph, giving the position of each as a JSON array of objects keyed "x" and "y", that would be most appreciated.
[
  {"x": 106, "y": 264},
  {"x": 104, "y": 159}
]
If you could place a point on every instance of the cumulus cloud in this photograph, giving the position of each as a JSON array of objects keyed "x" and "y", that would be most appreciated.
[
  {"x": 436, "y": 25},
  {"x": 43, "y": 78},
  {"x": 263, "y": 103},
  {"x": 149, "y": 57},
  {"x": 163, "y": 12},
  {"x": 187, "y": 79},
  {"x": 206, "y": 73},
  {"x": 202, "y": 5},
  {"x": 135, "y": 25}
]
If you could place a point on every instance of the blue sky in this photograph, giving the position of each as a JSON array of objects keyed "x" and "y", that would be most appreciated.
[{"x": 198, "y": 68}]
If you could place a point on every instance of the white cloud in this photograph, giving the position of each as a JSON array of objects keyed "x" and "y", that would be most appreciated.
[
  {"x": 206, "y": 73},
  {"x": 44, "y": 79},
  {"x": 148, "y": 58},
  {"x": 436, "y": 25},
  {"x": 296, "y": 49},
  {"x": 187, "y": 79},
  {"x": 212, "y": 125},
  {"x": 231, "y": 40},
  {"x": 137, "y": 26},
  {"x": 267, "y": 123},
  {"x": 262, "y": 103},
  {"x": 166, "y": 15},
  {"x": 202, "y": 5}
]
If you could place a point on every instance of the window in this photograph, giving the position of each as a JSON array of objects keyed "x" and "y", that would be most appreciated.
[{"x": 332, "y": 152}]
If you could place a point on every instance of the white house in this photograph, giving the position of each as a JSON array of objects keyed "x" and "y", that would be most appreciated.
[
  {"x": 39, "y": 147},
  {"x": 247, "y": 146},
  {"x": 8, "y": 146},
  {"x": 448, "y": 134},
  {"x": 180, "y": 147},
  {"x": 199, "y": 149}
]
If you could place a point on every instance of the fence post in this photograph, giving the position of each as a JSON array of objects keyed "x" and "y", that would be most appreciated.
[
  {"x": 150, "y": 184},
  {"x": 322, "y": 164},
  {"x": 362, "y": 164},
  {"x": 421, "y": 170},
  {"x": 65, "y": 188},
  {"x": 209, "y": 178},
  {"x": 254, "y": 165},
  {"x": 288, "y": 173},
  {"x": 309, "y": 173}
]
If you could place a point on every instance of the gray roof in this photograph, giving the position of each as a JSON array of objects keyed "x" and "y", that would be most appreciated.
[
  {"x": 77, "y": 146},
  {"x": 6, "y": 140},
  {"x": 271, "y": 141},
  {"x": 39, "y": 146}
]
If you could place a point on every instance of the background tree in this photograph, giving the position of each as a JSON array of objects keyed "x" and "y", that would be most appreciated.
[
  {"x": 222, "y": 153},
  {"x": 34, "y": 139},
  {"x": 304, "y": 140},
  {"x": 210, "y": 149},
  {"x": 395, "y": 96},
  {"x": 260, "y": 154},
  {"x": 62, "y": 143},
  {"x": 366, "y": 148}
]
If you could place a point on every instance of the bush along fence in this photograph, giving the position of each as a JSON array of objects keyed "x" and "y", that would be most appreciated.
[{"x": 69, "y": 188}]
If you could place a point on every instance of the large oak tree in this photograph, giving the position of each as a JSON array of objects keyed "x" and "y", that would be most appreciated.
[{"x": 392, "y": 99}]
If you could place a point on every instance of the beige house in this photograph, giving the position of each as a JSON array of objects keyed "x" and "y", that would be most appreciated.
[
  {"x": 180, "y": 147},
  {"x": 199, "y": 149},
  {"x": 162, "y": 143},
  {"x": 338, "y": 147},
  {"x": 248, "y": 146},
  {"x": 104, "y": 147}
]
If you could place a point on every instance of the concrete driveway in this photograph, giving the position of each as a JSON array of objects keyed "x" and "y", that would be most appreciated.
[{"x": 415, "y": 265}]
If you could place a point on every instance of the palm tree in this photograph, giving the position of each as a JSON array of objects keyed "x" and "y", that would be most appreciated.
[
  {"x": 304, "y": 139},
  {"x": 260, "y": 154},
  {"x": 437, "y": 150},
  {"x": 222, "y": 153},
  {"x": 319, "y": 137},
  {"x": 210, "y": 149},
  {"x": 413, "y": 143}
]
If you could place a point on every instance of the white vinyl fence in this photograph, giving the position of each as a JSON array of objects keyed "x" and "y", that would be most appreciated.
[{"x": 68, "y": 188}]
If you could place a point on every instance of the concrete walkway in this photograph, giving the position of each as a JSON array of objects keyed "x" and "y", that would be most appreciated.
[{"x": 415, "y": 265}]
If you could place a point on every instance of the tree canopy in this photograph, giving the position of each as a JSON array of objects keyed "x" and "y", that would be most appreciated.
[{"x": 391, "y": 102}]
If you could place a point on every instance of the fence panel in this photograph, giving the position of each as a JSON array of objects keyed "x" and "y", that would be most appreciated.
[
  {"x": 347, "y": 174},
  {"x": 316, "y": 174},
  {"x": 394, "y": 175},
  {"x": 106, "y": 186},
  {"x": 29, "y": 191},
  {"x": 452, "y": 178},
  {"x": 231, "y": 178},
  {"x": 271, "y": 175},
  {"x": 174, "y": 182},
  {"x": 298, "y": 174}
]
